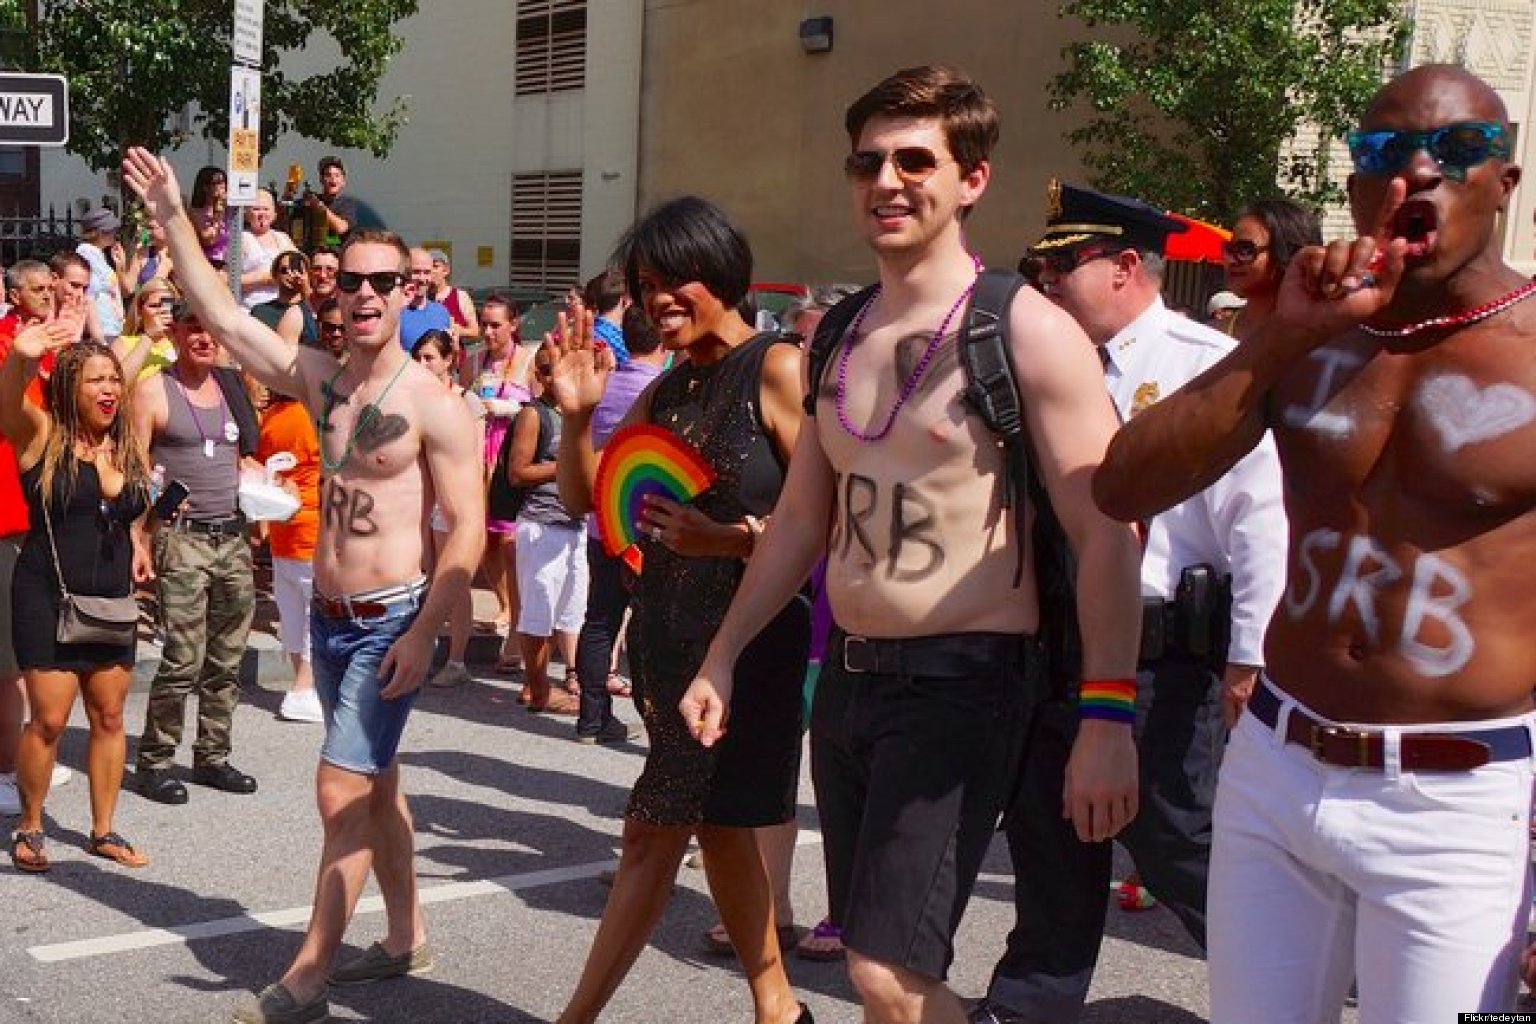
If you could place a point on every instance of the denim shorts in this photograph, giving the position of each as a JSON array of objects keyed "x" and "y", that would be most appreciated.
[{"x": 362, "y": 729}]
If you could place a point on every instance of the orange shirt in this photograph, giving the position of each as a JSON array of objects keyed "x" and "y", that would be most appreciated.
[{"x": 286, "y": 427}]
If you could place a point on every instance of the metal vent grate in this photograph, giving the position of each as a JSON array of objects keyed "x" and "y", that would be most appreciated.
[{"x": 546, "y": 230}]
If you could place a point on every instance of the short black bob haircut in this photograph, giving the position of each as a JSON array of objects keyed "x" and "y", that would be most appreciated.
[{"x": 688, "y": 239}]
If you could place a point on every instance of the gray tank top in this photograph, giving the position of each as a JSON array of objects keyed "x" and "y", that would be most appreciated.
[
  {"x": 543, "y": 502},
  {"x": 201, "y": 448}
]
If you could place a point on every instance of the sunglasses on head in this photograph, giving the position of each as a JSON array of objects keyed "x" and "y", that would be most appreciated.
[
  {"x": 1455, "y": 147},
  {"x": 382, "y": 281},
  {"x": 1062, "y": 262},
  {"x": 1242, "y": 250},
  {"x": 914, "y": 164}
]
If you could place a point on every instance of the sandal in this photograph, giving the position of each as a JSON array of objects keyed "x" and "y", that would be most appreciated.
[
  {"x": 114, "y": 847},
  {"x": 572, "y": 685},
  {"x": 716, "y": 942},
  {"x": 558, "y": 703},
  {"x": 822, "y": 944},
  {"x": 27, "y": 852},
  {"x": 618, "y": 686}
]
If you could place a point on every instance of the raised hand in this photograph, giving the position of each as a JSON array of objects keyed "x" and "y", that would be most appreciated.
[
  {"x": 154, "y": 182},
  {"x": 33, "y": 342},
  {"x": 1329, "y": 289},
  {"x": 580, "y": 368}
]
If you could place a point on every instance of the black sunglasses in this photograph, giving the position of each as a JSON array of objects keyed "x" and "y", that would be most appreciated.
[
  {"x": 1455, "y": 147},
  {"x": 1242, "y": 250},
  {"x": 329, "y": 328},
  {"x": 1062, "y": 262},
  {"x": 382, "y": 281},
  {"x": 914, "y": 164}
]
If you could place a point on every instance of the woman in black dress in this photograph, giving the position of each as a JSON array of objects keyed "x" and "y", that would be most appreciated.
[
  {"x": 81, "y": 463},
  {"x": 736, "y": 399}
]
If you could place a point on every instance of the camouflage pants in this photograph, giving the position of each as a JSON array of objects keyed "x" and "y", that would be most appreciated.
[{"x": 207, "y": 597}]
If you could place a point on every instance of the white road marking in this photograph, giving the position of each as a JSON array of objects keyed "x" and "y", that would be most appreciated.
[{"x": 298, "y": 917}]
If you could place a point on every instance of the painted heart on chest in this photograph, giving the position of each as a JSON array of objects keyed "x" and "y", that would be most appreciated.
[{"x": 1463, "y": 414}]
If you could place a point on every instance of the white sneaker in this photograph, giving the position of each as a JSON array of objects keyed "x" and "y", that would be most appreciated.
[
  {"x": 451, "y": 674},
  {"x": 10, "y": 798},
  {"x": 301, "y": 706},
  {"x": 62, "y": 773}
]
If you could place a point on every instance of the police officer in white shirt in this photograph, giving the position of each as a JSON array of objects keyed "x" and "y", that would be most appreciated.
[{"x": 1211, "y": 575}]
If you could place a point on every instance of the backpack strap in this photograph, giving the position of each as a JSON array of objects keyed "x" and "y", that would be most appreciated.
[
  {"x": 834, "y": 324},
  {"x": 991, "y": 391}
]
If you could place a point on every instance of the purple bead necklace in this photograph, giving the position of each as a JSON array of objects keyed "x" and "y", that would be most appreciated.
[{"x": 910, "y": 386}]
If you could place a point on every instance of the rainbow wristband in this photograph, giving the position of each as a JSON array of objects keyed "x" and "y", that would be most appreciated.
[{"x": 1108, "y": 700}]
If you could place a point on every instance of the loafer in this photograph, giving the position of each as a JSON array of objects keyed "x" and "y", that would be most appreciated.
[
  {"x": 376, "y": 964},
  {"x": 276, "y": 1005},
  {"x": 156, "y": 784},
  {"x": 223, "y": 776},
  {"x": 987, "y": 1012}
]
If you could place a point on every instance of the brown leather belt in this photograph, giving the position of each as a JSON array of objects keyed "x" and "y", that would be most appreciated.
[
  {"x": 1349, "y": 747},
  {"x": 370, "y": 605}
]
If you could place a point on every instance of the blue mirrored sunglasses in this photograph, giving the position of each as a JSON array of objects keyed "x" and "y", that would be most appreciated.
[{"x": 1456, "y": 147}]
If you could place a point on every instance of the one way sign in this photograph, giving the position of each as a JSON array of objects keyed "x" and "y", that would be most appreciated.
[{"x": 34, "y": 110}]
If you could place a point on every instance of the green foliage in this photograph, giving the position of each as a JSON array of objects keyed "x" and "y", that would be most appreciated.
[
  {"x": 1194, "y": 100},
  {"x": 133, "y": 65}
]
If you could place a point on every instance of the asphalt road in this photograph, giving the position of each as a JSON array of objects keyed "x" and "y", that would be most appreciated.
[{"x": 514, "y": 822}]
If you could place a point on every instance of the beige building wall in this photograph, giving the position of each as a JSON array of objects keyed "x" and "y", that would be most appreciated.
[{"x": 732, "y": 108}]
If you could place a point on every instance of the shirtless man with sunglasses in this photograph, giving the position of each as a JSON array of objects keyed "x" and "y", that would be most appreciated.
[
  {"x": 392, "y": 443},
  {"x": 1372, "y": 812}
]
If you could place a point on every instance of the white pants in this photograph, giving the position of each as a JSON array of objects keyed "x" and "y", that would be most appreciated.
[
  {"x": 1416, "y": 884},
  {"x": 551, "y": 578},
  {"x": 293, "y": 588}
]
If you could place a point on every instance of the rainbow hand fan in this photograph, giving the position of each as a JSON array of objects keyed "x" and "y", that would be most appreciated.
[{"x": 640, "y": 460}]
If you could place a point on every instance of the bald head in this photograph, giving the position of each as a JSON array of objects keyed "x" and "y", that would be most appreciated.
[{"x": 1431, "y": 95}]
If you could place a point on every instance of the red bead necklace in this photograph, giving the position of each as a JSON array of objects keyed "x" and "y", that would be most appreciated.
[{"x": 1471, "y": 316}]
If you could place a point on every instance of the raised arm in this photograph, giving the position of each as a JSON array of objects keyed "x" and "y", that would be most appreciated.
[
  {"x": 24, "y": 424},
  {"x": 580, "y": 374},
  {"x": 1188, "y": 441},
  {"x": 259, "y": 350}
]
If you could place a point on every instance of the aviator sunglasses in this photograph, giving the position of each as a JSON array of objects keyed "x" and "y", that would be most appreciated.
[
  {"x": 382, "y": 281},
  {"x": 1062, "y": 262},
  {"x": 914, "y": 164},
  {"x": 1455, "y": 147}
]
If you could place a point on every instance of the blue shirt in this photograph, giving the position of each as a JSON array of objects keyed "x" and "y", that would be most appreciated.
[
  {"x": 611, "y": 333},
  {"x": 416, "y": 322}
]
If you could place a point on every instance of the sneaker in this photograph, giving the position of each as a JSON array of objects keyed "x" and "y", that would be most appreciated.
[
  {"x": 10, "y": 797},
  {"x": 614, "y": 731},
  {"x": 452, "y": 674},
  {"x": 301, "y": 706},
  {"x": 376, "y": 964},
  {"x": 987, "y": 1012},
  {"x": 276, "y": 1005},
  {"x": 62, "y": 773}
]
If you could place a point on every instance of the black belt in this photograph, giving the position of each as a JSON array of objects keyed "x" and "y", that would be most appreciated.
[
  {"x": 213, "y": 529},
  {"x": 943, "y": 655},
  {"x": 1348, "y": 747}
]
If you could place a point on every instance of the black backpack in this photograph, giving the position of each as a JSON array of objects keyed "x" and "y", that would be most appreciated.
[
  {"x": 504, "y": 499},
  {"x": 994, "y": 396}
]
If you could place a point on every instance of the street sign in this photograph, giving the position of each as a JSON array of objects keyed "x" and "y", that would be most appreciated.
[
  {"x": 34, "y": 110},
  {"x": 244, "y": 134},
  {"x": 249, "y": 15}
]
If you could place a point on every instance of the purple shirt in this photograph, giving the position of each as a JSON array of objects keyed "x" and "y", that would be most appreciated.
[{"x": 624, "y": 386}]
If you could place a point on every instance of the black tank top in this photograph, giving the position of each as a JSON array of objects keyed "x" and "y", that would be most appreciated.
[
  {"x": 91, "y": 533},
  {"x": 718, "y": 410}
]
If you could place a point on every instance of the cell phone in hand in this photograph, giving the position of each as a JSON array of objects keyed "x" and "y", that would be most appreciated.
[{"x": 170, "y": 501}]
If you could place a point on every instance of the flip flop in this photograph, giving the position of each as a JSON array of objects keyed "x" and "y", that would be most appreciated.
[
  {"x": 717, "y": 943},
  {"x": 27, "y": 852},
  {"x": 114, "y": 847},
  {"x": 824, "y": 932}
]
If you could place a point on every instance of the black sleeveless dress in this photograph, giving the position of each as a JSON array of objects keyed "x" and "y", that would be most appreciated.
[
  {"x": 96, "y": 555},
  {"x": 750, "y": 777}
]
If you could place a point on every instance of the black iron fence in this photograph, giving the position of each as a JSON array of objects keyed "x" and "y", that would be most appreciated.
[{"x": 38, "y": 236}]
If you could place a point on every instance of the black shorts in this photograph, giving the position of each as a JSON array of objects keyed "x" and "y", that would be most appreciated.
[{"x": 913, "y": 765}]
